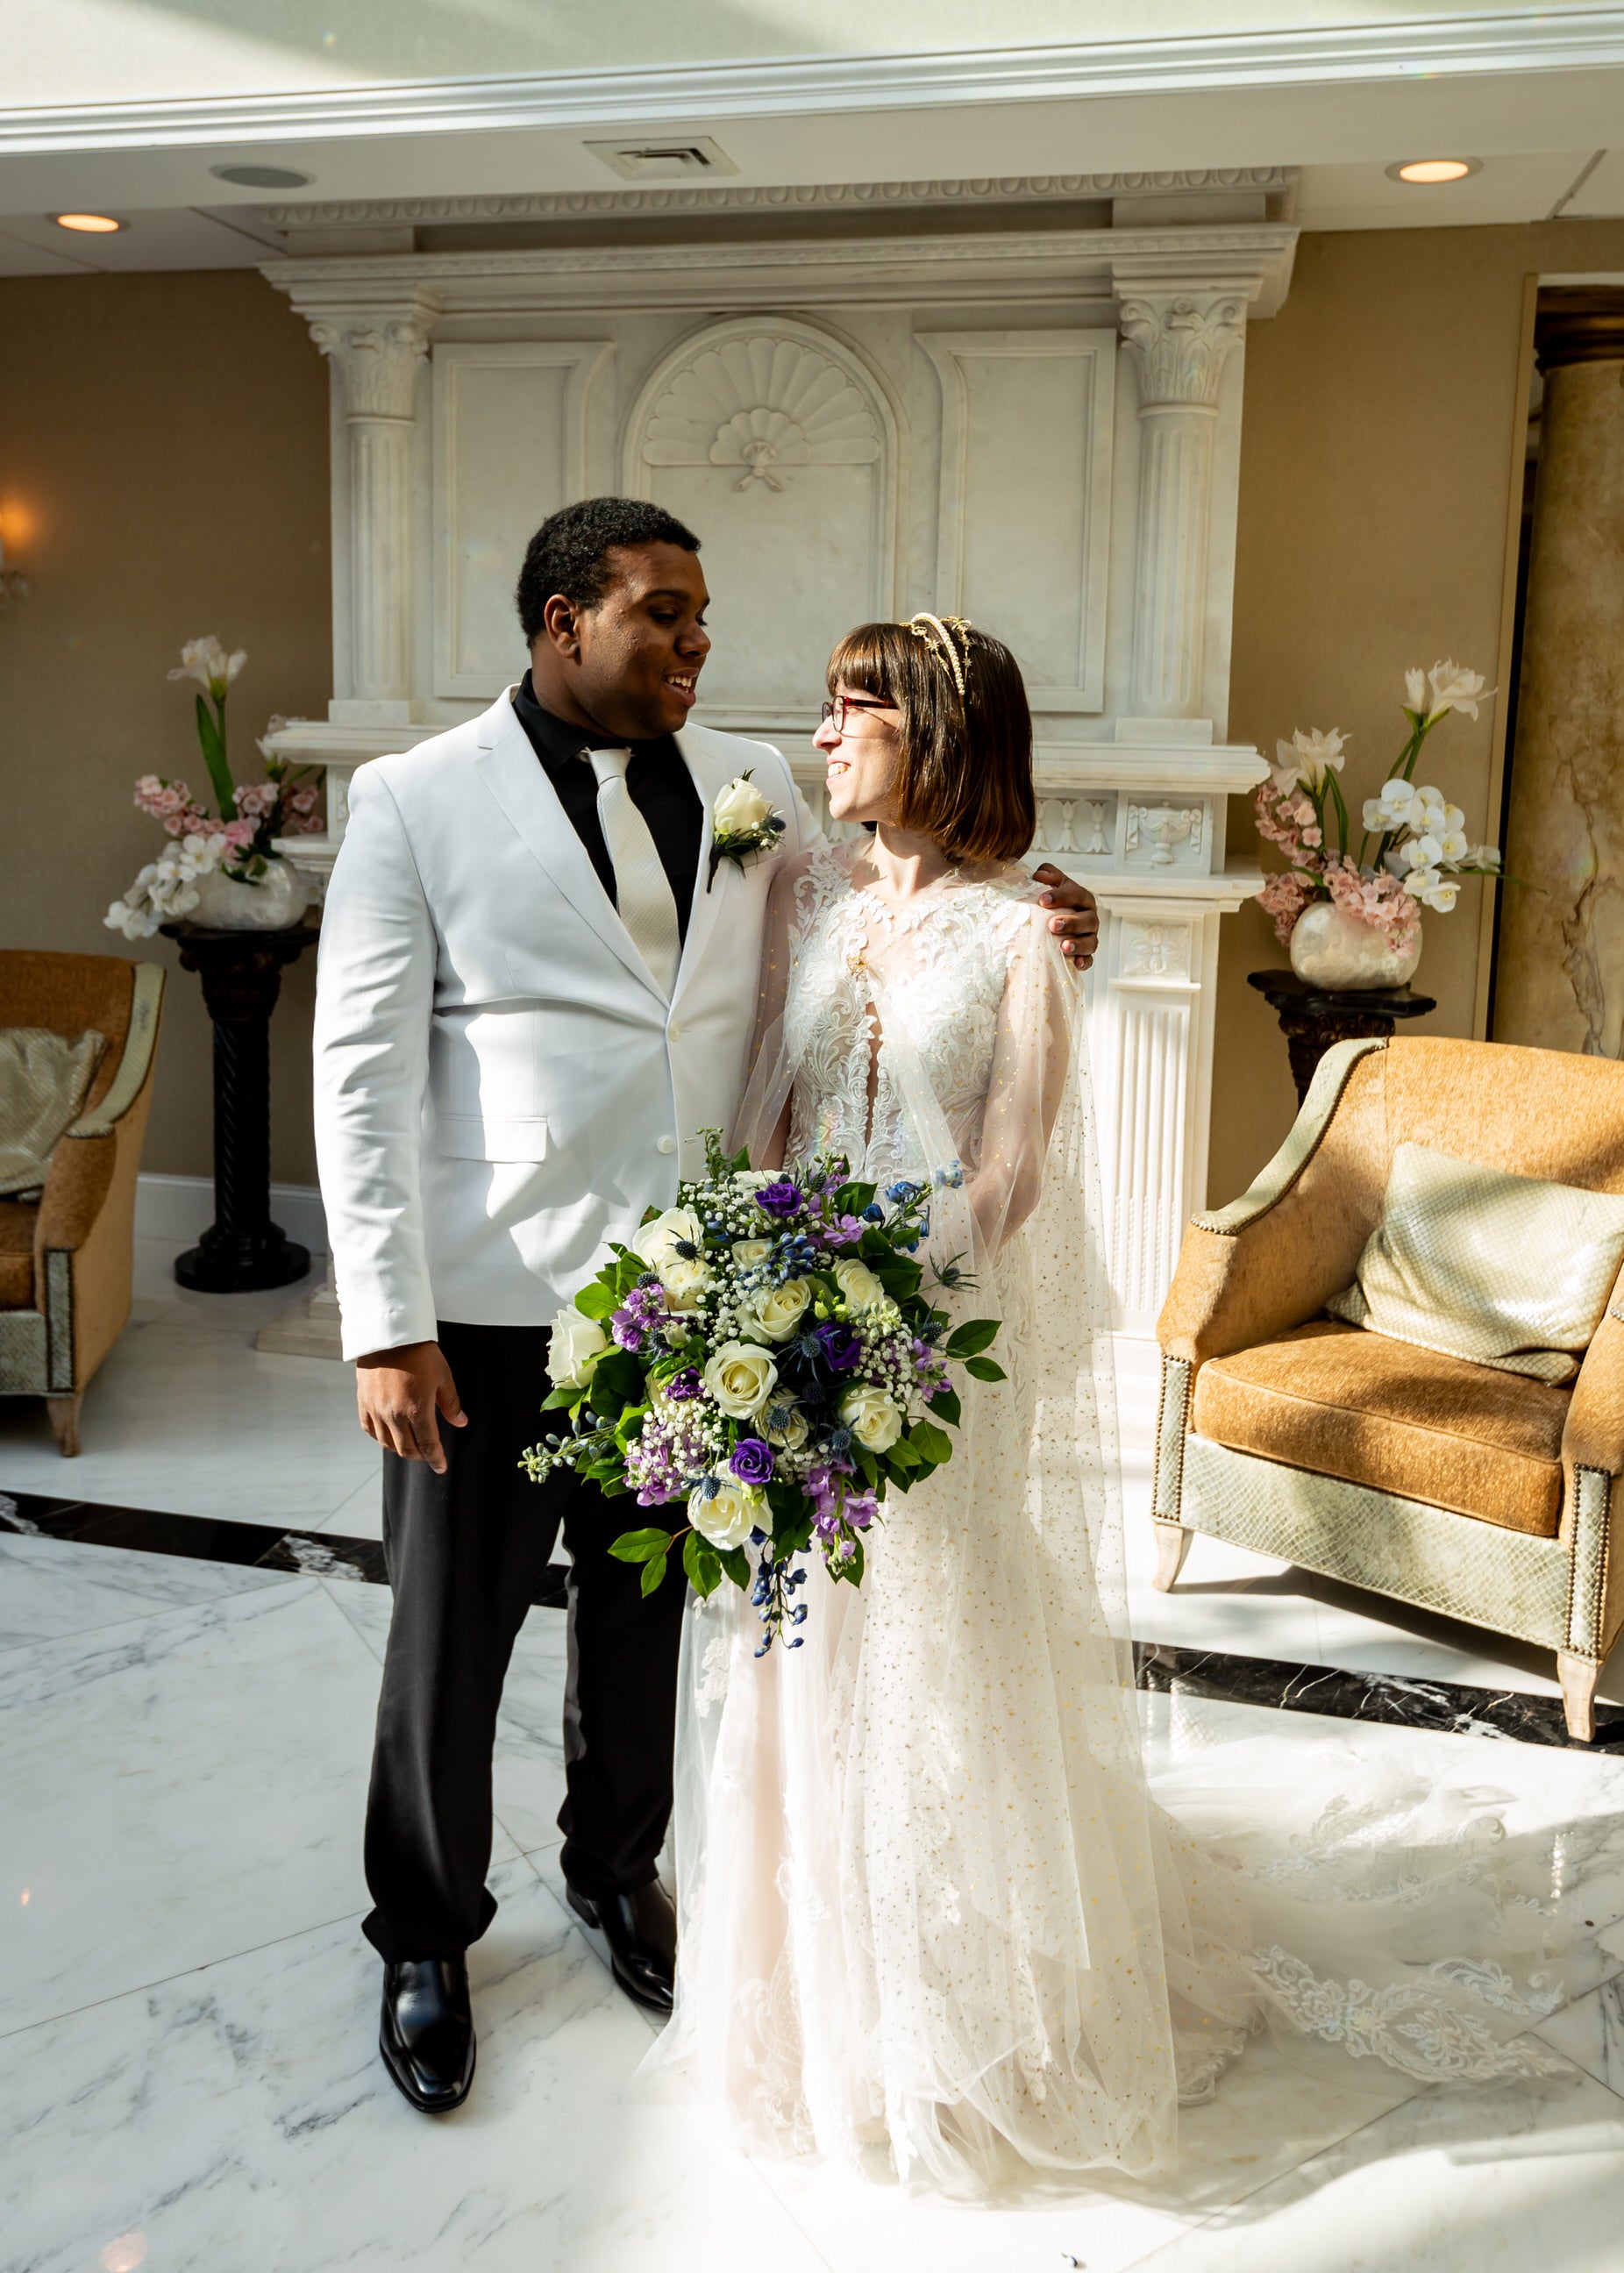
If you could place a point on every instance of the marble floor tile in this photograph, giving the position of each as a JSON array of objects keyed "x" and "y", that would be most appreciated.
[
  {"x": 157, "y": 1294},
  {"x": 198, "y": 1422},
  {"x": 176, "y": 1789},
  {"x": 360, "y": 1516},
  {"x": 1590, "y": 2033},
  {"x": 54, "y": 1587},
  {"x": 239, "y": 2118},
  {"x": 1226, "y": 1598},
  {"x": 1452, "y": 2181}
]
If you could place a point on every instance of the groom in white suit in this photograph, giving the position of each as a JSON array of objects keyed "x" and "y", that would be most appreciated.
[{"x": 535, "y": 986}]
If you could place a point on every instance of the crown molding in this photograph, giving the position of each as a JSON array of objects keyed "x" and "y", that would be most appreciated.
[
  {"x": 812, "y": 196},
  {"x": 1529, "y": 39},
  {"x": 1020, "y": 266}
]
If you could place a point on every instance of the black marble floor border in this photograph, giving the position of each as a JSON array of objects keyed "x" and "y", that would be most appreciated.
[
  {"x": 1394, "y": 1700},
  {"x": 216, "y": 1539}
]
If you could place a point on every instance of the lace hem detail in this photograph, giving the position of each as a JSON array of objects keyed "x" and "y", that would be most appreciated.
[{"x": 1409, "y": 2026}]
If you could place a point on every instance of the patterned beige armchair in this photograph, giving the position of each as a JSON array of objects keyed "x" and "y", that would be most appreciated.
[
  {"x": 1485, "y": 1494},
  {"x": 66, "y": 1258}
]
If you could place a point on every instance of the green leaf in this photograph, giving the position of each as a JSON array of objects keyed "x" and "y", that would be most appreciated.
[
  {"x": 984, "y": 1368},
  {"x": 902, "y": 1454},
  {"x": 653, "y": 1570},
  {"x": 868, "y": 1464},
  {"x": 974, "y": 1335},
  {"x": 945, "y": 1406},
  {"x": 934, "y": 1443},
  {"x": 703, "y": 1565},
  {"x": 559, "y": 1399},
  {"x": 597, "y": 1300},
  {"x": 213, "y": 744},
  {"x": 897, "y": 1275},
  {"x": 851, "y": 1199},
  {"x": 637, "y": 1546},
  {"x": 736, "y": 1562}
]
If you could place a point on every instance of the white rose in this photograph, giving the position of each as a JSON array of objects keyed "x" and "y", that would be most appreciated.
[
  {"x": 747, "y": 1251},
  {"x": 873, "y": 1419},
  {"x": 658, "y": 1239},
  {"x": 685, "y": 1283},
  {"x": 740, "y": 806},
  {"x": 771, "y": 1314},
  {"x": 741, "y": 1378},
  {"x": 574, "y": 1349},
  {"x": 754, "y": 1180},
  {"x": 786, "y": 1427},
  {"x": 728, "y": 1516},
  {"x": 858, "y": 1283}
]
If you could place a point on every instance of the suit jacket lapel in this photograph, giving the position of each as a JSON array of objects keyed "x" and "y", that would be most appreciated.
[
  {"x": 710, "y": 774},
  {"x": 517, "y": 781}
]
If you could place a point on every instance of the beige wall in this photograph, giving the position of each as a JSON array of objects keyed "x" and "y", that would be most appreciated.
[
  {"x": 167, "y": 434},
  {"x": 166, "y": 438},
  {"x": 1380, "y": 408}
]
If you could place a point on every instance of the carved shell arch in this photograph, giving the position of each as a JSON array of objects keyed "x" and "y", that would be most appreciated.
[{"x": 760, "y": 400}]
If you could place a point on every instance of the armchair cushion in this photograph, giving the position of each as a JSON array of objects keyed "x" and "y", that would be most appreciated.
[
  {"x": 1508, "y": 1270},
  {"x": 16, "y": 1226},
  {"x": 1425, "y": 1426},
  {"x": 43, "y": 1078}
]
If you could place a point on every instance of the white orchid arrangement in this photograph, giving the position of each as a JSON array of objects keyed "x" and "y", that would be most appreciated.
[
  {"x": 1413, "y": 851},
  {"x": 240, "y": 837},
  {"x": 742, "y": 822}
]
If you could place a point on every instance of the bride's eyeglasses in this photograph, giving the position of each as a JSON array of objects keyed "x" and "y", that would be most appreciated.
[{"x": 835, "y": 712}]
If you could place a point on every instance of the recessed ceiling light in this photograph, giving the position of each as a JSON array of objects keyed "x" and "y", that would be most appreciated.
[
  {"x": 90, "y": 224},
  {"x": 262, "y": 177},
  {"x": 1433, "y": 169}
]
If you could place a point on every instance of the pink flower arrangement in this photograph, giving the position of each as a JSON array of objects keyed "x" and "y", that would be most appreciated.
[{"x": 242, "y": 840}]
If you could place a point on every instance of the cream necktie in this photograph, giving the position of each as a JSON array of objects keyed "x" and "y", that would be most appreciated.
[{"x": 642, "y": 889}]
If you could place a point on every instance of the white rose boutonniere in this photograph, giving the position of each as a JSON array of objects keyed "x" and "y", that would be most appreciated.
[{"x": 742, "y": 822}]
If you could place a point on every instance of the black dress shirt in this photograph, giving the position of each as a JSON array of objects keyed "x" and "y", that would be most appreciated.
[{"x": 661, "y": 786}]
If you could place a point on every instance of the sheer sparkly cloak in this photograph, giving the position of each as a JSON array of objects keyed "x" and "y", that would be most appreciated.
[{"x": 925, "y": 1898}]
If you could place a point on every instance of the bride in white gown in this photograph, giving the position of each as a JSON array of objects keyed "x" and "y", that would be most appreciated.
[{"x": 924, "y": 1900}]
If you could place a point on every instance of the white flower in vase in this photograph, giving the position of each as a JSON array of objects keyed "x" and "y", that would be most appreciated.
[
  {"x": 1454, "y": 688},
  {"x": 205, "y": 660},
  {"x": 1308, "y": 758},
  {"x": 1395, "y": 808}
]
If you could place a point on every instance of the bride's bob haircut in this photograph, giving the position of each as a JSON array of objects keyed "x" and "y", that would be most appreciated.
[{"x": 964, "y": 762}]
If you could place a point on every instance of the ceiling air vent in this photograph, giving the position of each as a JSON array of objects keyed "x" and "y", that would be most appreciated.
[{"x": 664, "y": 161}]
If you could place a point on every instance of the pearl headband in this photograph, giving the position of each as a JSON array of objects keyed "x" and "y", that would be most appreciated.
[{"x": 937, "y": 636}]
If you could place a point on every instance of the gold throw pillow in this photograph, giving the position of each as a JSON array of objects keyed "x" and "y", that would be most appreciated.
[
  {"x": 43, "y": 1078},
  {"x": 1507, "y": 1270}
]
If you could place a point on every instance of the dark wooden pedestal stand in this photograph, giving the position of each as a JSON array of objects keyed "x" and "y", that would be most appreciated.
[
  {"x": 241, "y": 975},
  {"x": 1311, "y": 1019}
]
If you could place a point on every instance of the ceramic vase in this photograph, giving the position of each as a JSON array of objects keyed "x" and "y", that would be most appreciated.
[
  {"x": 275, "y": 903},
  {"x": 1341, "y": 952}
]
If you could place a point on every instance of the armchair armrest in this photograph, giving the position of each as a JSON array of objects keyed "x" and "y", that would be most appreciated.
[
  {"x": 1593, "y": 1435},
  {"x": 1272, "y": 1258},
  {"x": 82, "y": 1164}
]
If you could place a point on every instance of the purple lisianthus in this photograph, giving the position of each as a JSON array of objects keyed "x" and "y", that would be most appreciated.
[
  {"x": 683, "y": 1384},
  {"x": 781, "y": 1198},
  {"x": 841, "y": 1347},
  {"x": 627, "y": 1331},
  {"x": 752, "y": 1461},
  {"x": 845, "y": 1231}
]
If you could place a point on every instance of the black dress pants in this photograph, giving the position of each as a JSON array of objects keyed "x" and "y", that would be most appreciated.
[{"x": 465, "y": 1551}]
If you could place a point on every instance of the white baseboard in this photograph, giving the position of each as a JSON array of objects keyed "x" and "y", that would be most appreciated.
[{"x": 180, "y": 1208}]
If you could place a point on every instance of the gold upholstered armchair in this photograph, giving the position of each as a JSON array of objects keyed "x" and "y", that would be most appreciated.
[
  {"x": 1483, "y": 1494},
  {"x": 67, "y": 1252}
]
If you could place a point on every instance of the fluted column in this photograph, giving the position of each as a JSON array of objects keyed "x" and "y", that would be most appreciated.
[
  {"x": 1560, "y": 972},
  {"x": 376, "y": 352},
  {"x": 1177, "y": 343}
]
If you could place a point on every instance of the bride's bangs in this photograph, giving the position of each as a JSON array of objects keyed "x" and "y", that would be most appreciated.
[{"x": 867, "y": 662}]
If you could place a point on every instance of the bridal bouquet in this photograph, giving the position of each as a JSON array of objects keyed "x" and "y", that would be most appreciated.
[{"x": 764, "y": 1351}]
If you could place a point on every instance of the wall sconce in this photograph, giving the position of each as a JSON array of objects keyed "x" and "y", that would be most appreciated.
[{"x": 13, "y": 583}]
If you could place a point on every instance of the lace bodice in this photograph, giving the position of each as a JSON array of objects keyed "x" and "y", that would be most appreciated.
[{"x": 937, "y": 970}]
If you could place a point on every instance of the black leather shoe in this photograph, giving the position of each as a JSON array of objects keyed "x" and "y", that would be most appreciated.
[
  {"x": 426, "y": 2035},
  {"x": 640, "y": 1930}
]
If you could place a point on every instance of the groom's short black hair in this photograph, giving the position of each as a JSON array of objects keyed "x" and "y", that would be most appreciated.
[{"x": 569, "y": 553}]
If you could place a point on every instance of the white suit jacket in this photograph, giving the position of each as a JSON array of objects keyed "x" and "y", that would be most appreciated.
[{"x": 500, "y": 1086}]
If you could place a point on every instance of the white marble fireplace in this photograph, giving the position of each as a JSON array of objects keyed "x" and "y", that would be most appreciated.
[{"x": 1015, "y": 402}]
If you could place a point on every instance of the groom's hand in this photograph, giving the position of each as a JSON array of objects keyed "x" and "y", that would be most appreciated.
[
  {"x": 1078, "y": 929},
  {"x": 402, "y": 1394}
]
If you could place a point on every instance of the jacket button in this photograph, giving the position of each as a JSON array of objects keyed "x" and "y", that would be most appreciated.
[
  {"x": 665, "y": 1145},
  {"x": 674, "y": 1031}
]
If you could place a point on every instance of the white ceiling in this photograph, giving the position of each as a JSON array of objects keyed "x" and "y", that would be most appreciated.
[{"x": 1546, "y": 136}]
